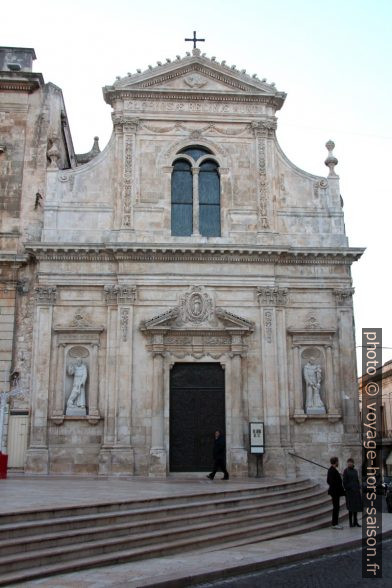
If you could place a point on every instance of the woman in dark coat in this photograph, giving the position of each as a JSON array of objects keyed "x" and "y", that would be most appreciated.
[{"x": 353, "y": 492}]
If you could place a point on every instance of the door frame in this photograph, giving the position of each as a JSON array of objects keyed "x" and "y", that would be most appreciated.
[
  {"x": 193, "y": 363},
  {"x": 169, "y": 362}
]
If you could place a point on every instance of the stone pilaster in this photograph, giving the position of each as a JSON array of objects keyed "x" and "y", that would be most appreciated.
[
  {"x": 37, "y": 459},
  {"x": 158, "y": 456}
]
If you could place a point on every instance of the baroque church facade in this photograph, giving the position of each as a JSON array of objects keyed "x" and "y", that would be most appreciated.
[{"x": 188, "y": 277}]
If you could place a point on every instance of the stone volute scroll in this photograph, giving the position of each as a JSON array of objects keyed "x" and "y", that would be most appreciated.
[{"x": 76, "y": 386}]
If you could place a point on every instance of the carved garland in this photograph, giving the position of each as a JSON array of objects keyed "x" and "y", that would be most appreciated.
[
  {"x": 127, "y": 186},
  {"x": 262, "y": 208}
]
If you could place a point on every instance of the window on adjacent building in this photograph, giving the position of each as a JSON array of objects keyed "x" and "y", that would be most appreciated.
[{"x": 195, "y": 194}]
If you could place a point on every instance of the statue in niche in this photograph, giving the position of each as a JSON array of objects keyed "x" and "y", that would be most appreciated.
[
  {"x": 76, "y": 404},
  {"x": 313, "y": 376}
]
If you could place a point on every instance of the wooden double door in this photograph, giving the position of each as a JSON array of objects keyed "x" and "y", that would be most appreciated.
[{"x": 197, "y": 410}]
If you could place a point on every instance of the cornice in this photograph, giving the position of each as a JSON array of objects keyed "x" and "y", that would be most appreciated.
[
  {"x": 196, "y": 253},
  {"x": 20, "y": 82},
  {"x": 111, "y": 95}
]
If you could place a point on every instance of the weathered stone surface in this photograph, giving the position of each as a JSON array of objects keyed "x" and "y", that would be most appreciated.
[{"x": 105, "y": 280}]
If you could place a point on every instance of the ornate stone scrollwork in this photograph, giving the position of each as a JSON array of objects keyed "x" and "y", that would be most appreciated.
[
  {"x": 272, "y": 296},
  {"x": 45, "y": 294},
  {"x": 124, "y": 319},
  {"x": 127, "y": 183}
]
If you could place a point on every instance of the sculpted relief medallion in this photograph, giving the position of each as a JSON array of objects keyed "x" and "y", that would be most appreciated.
[
  {"x": 195, "y": 81},
  {"x": 196, "y": 306}
]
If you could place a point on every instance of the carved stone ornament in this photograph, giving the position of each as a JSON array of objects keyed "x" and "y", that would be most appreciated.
[
  {"x": 331, "y": 160},
  {"x": 312, "y": 323},
  {"x": 264, "y": 127},
  {"x": 272, "y": 296},
  {"x": 195, "y": 81},
  {"x": 53, "y": 152},
  {"x": 129, "y": 123},
  {"x": 80, "y": 320},
  {"x": 343, "y": 296},
  {"x": 45, "y": 294},
  {"x": 127, "y": 183},
  {"x": 120, "y": 294},
  {"x": 268, "y": 326},
  {"x": 124, "y": 319},
  {"x": 196, "y": 306}
]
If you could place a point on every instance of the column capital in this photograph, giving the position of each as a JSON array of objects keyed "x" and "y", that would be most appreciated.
[{"x": 45, "y": 295}]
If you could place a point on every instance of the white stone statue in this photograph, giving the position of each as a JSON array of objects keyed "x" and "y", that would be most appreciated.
[
  {"x": 313, "y": 376},
  {"x": 76, "y": 404}
]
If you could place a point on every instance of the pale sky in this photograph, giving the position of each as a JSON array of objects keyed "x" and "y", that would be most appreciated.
[{"x": 332, "y": 58}]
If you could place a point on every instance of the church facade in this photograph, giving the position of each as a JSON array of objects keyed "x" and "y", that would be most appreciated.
[{"x": 188, "y": 277}]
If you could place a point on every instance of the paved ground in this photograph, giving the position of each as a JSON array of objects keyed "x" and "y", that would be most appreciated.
[
  {"x": 343, "y": 570},
  {"x": 20, "y": 493}
]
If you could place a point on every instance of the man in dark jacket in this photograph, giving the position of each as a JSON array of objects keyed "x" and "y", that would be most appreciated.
[
  {"x": 219, "y": 455},
  {"x": 336, "y": 490}
]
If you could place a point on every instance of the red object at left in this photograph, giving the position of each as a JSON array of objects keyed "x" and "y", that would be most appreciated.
[{"x": 3, "y": 465}]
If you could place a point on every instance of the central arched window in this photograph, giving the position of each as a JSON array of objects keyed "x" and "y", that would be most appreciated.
[{"x": 195, "y": 194}]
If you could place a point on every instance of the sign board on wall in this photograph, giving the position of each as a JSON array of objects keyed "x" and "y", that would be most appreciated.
[{"x": 256, "y": 437}]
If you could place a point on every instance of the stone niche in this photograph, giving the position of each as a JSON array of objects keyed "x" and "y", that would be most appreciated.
[
  {"x": 76, "y": 382},
  {"x": 312, "y": 360}
]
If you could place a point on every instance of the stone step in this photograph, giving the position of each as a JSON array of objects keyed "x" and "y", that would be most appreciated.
[
  {"x": 323, "y": 519},
  {"x": 101, "y": 507},
  {"x": 212, "y": 532},
  {"x": 237, "y": 515},
  {"x": 63, "y": 524}
]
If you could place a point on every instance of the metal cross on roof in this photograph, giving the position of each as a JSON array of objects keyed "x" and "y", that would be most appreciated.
[{"x": 195, "y": 40}]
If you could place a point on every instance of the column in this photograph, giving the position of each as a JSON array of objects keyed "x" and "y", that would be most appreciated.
[
  {"x": 331, "y": 392},
  {"x": 93, "y": 412},
  {"x": 122, "y": 453},
  {"x": 282, "y": 377},
  {"x": 195, "y": 175},
  {"x": 238, "y": 454},
  {"x": 58, "y": 392},
  {"x": 157, "y": 451},
  {"x": 110, "y": 396},
  {"x": 299, "y": 413},
  {"x": 37, "y": 459}
]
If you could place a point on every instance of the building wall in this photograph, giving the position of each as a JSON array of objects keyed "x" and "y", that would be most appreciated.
[{"x": 106, "y": 280}]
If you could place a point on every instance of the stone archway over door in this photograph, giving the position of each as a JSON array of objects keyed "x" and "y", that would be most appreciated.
[{"x": 197, "y": 409}]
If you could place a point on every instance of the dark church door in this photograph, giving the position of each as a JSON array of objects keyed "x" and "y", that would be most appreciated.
[{"x": 197, "y": 409}]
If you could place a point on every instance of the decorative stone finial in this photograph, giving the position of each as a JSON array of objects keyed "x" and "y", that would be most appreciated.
[
  {"x": 196, "y": 52},
  {"x": 139, "y": 70},
  {"x": 331, "y": 160}
]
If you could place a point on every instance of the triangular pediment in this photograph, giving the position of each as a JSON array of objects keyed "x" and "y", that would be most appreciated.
[
  {"x": 194, "y": 74},
  {"x": 219, "y": 319}
]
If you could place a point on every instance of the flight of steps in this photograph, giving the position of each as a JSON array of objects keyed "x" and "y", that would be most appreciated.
[{"x": 59, "y": 540}]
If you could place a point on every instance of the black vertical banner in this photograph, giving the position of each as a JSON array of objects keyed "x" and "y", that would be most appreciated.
[{"x": 371, "y": 453}]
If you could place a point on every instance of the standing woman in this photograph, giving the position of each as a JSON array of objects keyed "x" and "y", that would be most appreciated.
[{"x": 353, "y": 492}]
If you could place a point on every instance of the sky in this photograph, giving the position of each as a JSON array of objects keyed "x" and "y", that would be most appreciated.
[{"x": 332, "y": 58}]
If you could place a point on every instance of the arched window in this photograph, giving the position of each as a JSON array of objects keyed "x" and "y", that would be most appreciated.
[
  {"x": 195, "y": 194},
  {"x": 209, "y": 199},
  {"x": 181, "y": 199}
]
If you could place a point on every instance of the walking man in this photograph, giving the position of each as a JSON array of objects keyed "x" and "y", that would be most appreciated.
[
  {"x": 219, "y": 455},
  {"x": 336, "y": 490}
]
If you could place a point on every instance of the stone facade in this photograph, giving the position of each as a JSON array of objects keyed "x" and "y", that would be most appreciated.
[{"x": 270, "y": 299}]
